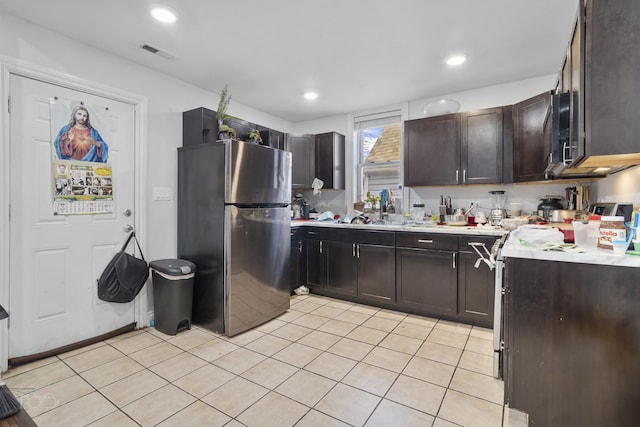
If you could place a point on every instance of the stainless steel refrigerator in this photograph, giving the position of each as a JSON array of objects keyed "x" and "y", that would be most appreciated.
[{"x": 234, "y": 224}]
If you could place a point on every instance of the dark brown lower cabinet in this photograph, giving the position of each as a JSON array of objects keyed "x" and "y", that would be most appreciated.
[
  {"x": 297, "y": 263},
  {"x": 377, "y": 273},
  {"x": 475, "y": 284},
  {"x": 341, "y": 268},
  {"x": 426, "y": 274},
  {"x": 427, "y": 280},
  {"x": 572, "y": 343},
  {"x": 363, "y": 266},
  {"x": 314, "y": 261}
]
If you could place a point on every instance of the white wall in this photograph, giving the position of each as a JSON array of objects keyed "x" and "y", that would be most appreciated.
[
  {"x": 167, "y": 99},
  {"x": 621, "y": 187},
  {"x": 488, "y": 97},
  {"x": 28, "y": 45}
]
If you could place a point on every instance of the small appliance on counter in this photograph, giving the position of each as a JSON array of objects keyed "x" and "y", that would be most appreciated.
[
  {"x": 548, "y": 204},
  {"x": 613, "y": 209},
  {"x": 498, "y": 211},
  {"x": 297, "y": 206}
]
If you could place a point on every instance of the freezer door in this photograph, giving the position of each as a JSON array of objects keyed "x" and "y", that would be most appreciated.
[
  {"x": 256, "y": 266},
  {"x": 257, "y": 174}
]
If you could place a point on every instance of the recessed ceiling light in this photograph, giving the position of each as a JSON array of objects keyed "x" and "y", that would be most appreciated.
[
  {"x": 456, "y": 59},
  {"x": 310, "y": 96},
  {"x": 164, "y": 14}
]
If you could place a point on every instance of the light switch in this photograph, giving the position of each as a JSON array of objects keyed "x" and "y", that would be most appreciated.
[{"x": 162, "y": 193}]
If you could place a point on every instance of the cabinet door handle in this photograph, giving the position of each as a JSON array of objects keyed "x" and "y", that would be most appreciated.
[
  {"x": 457, "y": 173},
  {"x": 320, "y": 246},
  {"x": 358, "y": 252},
  {"x": 299, "y": 245},
  {"x": 464, "y": 176},
  {"x": 454, "y": 260},
  {"x": 353, "y": 250},
  {"x": 425, "y": 240}
]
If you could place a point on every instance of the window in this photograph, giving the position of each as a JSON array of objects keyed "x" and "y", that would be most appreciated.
[{"x": 378, "y": 137}]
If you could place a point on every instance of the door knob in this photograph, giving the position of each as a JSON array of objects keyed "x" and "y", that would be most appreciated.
[
  {"x": 128, "y": 228},
  {"x": 127, "y": 212}
]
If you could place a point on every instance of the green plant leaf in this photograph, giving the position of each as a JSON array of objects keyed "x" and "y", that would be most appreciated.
[{"x": 223, "y": 103}]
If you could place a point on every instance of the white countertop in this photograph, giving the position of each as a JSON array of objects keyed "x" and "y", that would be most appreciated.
[
  {"x": 420, "y": 228},
  {"x": 592, "y": 255}
]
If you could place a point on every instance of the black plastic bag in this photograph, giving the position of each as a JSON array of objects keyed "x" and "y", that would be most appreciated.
[{"x": 124, "y": 276}]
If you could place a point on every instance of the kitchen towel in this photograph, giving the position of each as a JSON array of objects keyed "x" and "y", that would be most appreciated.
[
  {"x": 538, "y": 236},
  {"x": 317, "y": 185}
]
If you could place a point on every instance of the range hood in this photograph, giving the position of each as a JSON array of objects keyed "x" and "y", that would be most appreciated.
[{"x": 561, "y": 170}]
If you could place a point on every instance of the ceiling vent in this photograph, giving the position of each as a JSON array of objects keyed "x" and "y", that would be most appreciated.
[{"x": 159, "y": 52}]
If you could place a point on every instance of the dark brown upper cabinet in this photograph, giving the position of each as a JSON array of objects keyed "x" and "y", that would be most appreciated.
[
  {"x": 316, "y": 156},
  {"x": 461, "y": 148},
  {"x": 303, "y": 159},
  {"x": 529, "y": 145},
  {"x": 482, "y": 146},
  {"x": 432, "y": 151},
  {"x": 612, "y": 81},
  {"x": 329, "y": 159},
  {"x": 604, "y": 77}
]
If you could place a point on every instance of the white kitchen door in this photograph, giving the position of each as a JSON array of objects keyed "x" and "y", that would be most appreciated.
[{"x": 56, "y": 259}]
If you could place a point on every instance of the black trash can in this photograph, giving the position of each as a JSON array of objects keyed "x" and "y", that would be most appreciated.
[{"x": 172, "y": 294}]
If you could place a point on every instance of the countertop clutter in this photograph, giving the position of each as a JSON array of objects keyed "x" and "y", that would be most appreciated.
[
  {"x": 546, "y": 243},
  {"x": 591, "y": 255},
  {"x": 444, "y": 229},
  {"x": 583, "y": 254}
]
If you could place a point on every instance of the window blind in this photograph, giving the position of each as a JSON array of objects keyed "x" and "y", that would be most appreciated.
[{"x": 377, "y": 120}]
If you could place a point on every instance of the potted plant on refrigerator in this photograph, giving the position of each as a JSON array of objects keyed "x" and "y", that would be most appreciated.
[
  {"x": 224, "y": 130},
  {"x": 254, "y": 136}
]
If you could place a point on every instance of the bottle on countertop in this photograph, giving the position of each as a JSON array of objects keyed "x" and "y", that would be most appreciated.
[{"x": 611, "y": 228}]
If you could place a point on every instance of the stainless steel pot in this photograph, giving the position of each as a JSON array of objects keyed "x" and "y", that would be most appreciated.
[{"x": 559, "y": 215}]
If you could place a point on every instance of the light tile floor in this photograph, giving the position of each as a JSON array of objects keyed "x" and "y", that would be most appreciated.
[{"x": 325, "y": 362}]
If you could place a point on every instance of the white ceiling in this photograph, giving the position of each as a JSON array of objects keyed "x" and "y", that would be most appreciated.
[{"x": 357, "y": 54}]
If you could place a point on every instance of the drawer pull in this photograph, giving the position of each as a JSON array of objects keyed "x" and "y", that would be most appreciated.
[
  {"x": 425, "y": 241},
  {"x": 313, "y": 233}
]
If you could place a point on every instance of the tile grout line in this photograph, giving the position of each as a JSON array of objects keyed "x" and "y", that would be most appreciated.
[{"x": 361, "y": 360}]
